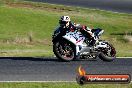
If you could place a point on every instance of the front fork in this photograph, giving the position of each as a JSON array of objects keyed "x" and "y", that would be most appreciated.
[{"x": 77, "y": 50}]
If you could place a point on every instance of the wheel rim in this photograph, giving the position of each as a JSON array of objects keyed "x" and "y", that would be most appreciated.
[
  {"x": 110, "y": 51},
  {"x": 65, "y": 50}
]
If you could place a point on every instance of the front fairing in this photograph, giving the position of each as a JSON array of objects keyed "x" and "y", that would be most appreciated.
[
  {"x": 56, "y": 32},
  {"x": 75, "y": 37}
]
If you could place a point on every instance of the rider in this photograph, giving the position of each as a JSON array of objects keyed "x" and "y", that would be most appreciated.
[{"x": 67, "y": 25}]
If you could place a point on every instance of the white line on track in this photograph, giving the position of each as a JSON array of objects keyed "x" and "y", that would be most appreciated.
[
  {"x": 36, "y": 81},
  {"x": 123, "y": 57},
  {"x": 39, "y": 81}
]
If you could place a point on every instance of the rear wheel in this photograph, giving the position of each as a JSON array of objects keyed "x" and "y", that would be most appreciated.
[
  {"x": 64, "y": 50},
  {"x": 108, "y": 54}
]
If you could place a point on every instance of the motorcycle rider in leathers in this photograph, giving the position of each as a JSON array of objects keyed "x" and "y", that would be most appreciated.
[{"x": 66, "y": 25}]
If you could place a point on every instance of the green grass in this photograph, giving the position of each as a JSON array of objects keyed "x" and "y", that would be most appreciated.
[
  {"x": 28, "y": 25},
  {"x": 62, "y": 85}
]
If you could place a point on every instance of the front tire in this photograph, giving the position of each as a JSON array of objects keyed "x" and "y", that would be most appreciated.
[{"x": 64, "y": 50}]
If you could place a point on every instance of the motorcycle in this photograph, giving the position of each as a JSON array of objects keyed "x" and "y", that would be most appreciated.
[{"x": 74, "y": 45}]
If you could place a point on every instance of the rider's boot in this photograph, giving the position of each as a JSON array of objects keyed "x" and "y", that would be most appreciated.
[{"x": 92, "y": 42}]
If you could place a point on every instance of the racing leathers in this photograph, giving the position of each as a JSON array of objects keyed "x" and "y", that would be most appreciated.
[{"x": 83, "y": 29}]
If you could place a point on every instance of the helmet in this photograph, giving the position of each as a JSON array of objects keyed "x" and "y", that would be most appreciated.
[{"x": 64, "y": 20}]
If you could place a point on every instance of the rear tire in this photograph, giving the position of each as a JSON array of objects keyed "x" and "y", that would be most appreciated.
[
  {"x": 103, "y": 56},
  {"x": 106, "y": 58}
]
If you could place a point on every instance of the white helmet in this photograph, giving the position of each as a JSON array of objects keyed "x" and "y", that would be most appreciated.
[{"x": 64, "y": 20}]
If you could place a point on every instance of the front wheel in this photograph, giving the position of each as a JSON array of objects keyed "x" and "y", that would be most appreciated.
[
  {"x": 64, "y": 50},
  {"x": 108, "y": 54}
]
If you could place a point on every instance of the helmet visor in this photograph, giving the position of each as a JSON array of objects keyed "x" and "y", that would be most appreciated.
[{"x": 63, "y": 22}]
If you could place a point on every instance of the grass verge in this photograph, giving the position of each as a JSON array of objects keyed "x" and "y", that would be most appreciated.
[
  {"x": 61, "y": 85},
  {"x": 28, "y": 25}
]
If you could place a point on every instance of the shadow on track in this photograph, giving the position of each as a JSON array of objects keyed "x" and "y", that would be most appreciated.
[
  {"x": 32, "y": 58},
  {"x": 52, "y": 59}
]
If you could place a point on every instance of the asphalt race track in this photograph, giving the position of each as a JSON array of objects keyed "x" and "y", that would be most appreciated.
[
  {"x": 112, "y": 5},
  {"x": 51, "y": 69}
]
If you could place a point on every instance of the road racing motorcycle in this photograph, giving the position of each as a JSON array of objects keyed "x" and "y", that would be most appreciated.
[{"x": 74, "y": 45}]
